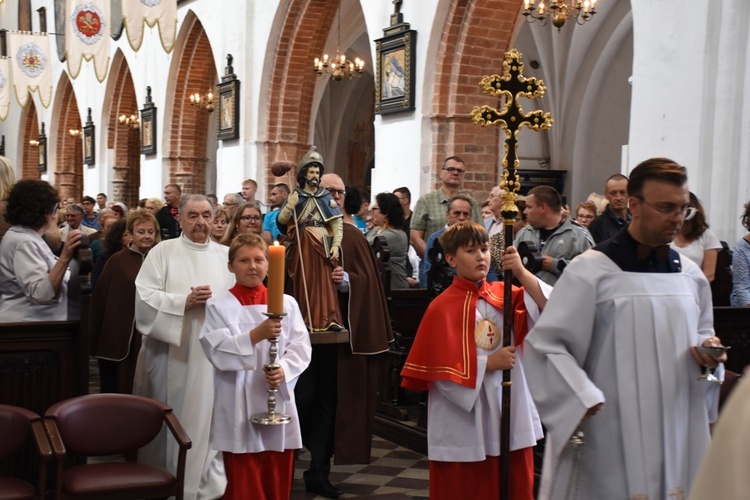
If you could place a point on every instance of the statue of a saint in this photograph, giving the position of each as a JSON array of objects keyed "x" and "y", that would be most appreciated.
[{"x": 312, "y": 220}]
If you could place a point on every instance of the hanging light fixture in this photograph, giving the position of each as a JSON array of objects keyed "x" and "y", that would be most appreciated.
[
  {"x": 559, "y": 11},
  {"x": 203, "y": 102},
  {"x": 132, "y": 121},
  {"x": 338, "y": 67}
]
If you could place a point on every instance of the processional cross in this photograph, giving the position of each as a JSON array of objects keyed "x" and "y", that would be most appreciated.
[{"x": 509, "y": 88}]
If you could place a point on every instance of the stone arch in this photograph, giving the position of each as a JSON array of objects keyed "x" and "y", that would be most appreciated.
[
  {"x": 187, "y": 134},
  {"x": 29, "y": 153},
  {"x": 68, "y": 164},
  {"x": 302, "y": 28},
  {"x": 122, "y": 140},
  {"x": 472, "y": 42}
]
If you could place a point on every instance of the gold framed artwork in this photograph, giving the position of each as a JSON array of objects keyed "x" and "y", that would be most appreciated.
[
  {"x": 148, "y": 125},
  {"x": 394, "y": 73},
  {"x": 229, "y": 104}
]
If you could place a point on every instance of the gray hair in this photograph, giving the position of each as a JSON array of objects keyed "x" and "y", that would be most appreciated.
[
  {"x": 236, "y": 197},
  {"x": 194, "y": 197}
]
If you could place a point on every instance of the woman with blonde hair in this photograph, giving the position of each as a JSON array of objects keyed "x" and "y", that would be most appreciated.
[
  {"x": 153, "y": 205},
  {"x": 7, "y": 179},
  {"x": 247, "y": 219},
  {"x": 220, "y": 224}
]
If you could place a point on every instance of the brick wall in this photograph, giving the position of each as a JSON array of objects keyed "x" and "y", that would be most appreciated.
[
  {"x": 475, "y": 38},
  {"x": 30, "y": 155},
  {"x": 188, "y": 141},
  {"x": 69, "y": 165},
  {"x": 125, "y": 141}
]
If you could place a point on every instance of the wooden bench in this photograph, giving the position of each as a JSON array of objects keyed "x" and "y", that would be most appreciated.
[{"x": 42, "y": 363}]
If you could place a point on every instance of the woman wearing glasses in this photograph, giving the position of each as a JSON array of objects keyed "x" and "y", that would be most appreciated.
[
  {"x": 247, "y": 219},
  {"x": 387, "y": 221},
  {"x": 585, "y": 213},
  {"x": 696, "y": 241}
]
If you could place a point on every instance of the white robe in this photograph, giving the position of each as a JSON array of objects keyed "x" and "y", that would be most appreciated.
[
  {"x": 171, "y": 365},
  {"x": 240, "y": 387},
  {"x": 464, "y": 423},
  {"x": 624, "y": 341},
  {"x": 725, "y": 471}
]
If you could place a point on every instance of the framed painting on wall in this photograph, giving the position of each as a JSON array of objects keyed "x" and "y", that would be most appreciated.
[
  {"x": 229, "y": 104},
  {"x": 394, "y": 73},
  {"x": 148, "y": 125}
]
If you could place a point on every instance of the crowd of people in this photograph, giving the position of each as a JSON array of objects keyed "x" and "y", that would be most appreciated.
[{"x": 179, "y": 296}]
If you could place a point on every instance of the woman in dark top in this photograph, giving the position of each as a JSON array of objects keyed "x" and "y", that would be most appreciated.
[
  {"x": 387, "y": 220},
  {"x": 116, "y": 239}
]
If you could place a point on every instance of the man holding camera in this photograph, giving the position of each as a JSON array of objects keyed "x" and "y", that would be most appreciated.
[{"x": 555, "y": 236}]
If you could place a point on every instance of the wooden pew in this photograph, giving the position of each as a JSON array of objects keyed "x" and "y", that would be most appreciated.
[
  {"x": 42, "y": 363},
  {"x": 400, "y": 416},
  {"x": 732, "y": 326}
]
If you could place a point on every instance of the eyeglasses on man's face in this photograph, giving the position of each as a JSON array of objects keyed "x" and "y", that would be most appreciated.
[
  {"x": 337, "y": 192},
  {"x": 670, "y": 209},
  {"x": 453, "y": 170},
  {"x": 248, "y": 218},
  {"x": 584, "y": 216}
]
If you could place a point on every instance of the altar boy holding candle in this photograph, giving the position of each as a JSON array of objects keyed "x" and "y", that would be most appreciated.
[{"x": 259, "y": 459}]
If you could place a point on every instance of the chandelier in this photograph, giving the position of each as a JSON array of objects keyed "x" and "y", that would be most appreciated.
[
  {"x": 203, "y": 102},
  {"x": 132, "y": 121},
  {"x": 338, "y": 67},
  {"x": 74, "y": 132},
  {"x": 559, "y": 10}
]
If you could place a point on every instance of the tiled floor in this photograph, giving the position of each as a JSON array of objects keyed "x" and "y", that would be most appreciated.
[{"x": 395, "y": 473}]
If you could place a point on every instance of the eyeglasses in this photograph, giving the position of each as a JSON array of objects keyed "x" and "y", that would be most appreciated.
[
  {"x": 248, "y": 218},
  {"x": 340, "y": 192},
  {"x": 455, "y": 170},
  {"x": 671, "y": 209},
  {"x": 582, "y": 216},
  {"x": 231, "y": 204}
]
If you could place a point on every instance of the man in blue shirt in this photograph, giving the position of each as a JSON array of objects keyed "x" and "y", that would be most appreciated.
[
  {"x": 276, "y": 198},
  {"x": 89, "y": 218}
]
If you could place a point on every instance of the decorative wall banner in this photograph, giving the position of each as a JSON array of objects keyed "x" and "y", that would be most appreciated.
[
  {"x": 136, "y": 13},
  {"x": 4, "y": 87},
  {"x": 88, "y": 30},
  {"x": 30, "y": 66}
]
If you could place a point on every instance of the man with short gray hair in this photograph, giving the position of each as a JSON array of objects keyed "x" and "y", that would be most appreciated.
[{"x": 178, "y": 276}]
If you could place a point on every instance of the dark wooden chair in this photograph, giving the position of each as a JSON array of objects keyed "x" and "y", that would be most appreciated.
[
  {"x": 16, "y": 424},
  {"x": 110, "y": 424}
]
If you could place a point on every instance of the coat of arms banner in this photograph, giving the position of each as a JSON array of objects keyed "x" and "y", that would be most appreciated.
[
  {"x": 4, "y": 87},
  {"x": 30, "y": 65},
  {"x": 88, "y": 36}
]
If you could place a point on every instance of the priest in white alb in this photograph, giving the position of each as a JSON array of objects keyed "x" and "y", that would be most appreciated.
[
  {"x": 172, "y": 287},
  {"x": 613, "y": 356}
]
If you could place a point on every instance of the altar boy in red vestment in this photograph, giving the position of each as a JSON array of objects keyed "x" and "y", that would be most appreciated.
[
  {"x": 258, "y": 459},
  {"x": 458, "y": 356}
]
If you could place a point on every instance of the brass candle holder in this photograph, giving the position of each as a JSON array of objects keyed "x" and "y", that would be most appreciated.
[{"x": 271, "y": 417}]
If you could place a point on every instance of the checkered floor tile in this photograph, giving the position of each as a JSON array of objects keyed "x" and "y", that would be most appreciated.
[{"x": 395, "y": 473}]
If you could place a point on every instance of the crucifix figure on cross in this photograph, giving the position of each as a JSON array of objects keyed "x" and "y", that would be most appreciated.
[{"x": 509, "y": 89}]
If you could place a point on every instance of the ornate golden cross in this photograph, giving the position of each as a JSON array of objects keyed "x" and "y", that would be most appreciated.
[{"x": 511, "y": 87}]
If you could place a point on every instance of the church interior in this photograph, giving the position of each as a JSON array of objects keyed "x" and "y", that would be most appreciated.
[{"x": 216, "y": 92}]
